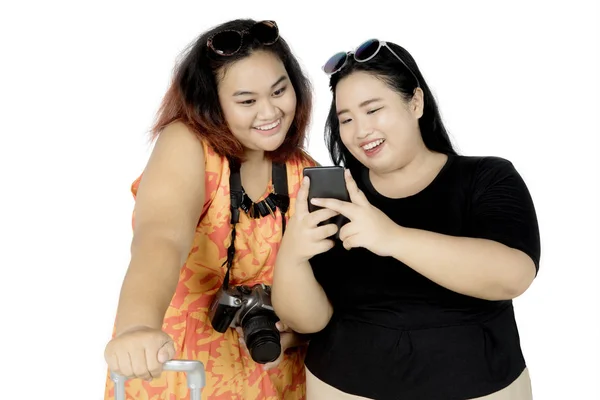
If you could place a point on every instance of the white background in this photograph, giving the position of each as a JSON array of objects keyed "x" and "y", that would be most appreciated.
[{"x": 79, "y": 87}]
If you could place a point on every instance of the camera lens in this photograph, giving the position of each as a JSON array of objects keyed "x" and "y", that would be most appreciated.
[{"x": 262, "y": 338}]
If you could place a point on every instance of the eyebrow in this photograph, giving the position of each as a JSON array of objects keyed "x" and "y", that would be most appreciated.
[
  {"x": 363, "y": 104},
  {"x": 246, "y": 92}
]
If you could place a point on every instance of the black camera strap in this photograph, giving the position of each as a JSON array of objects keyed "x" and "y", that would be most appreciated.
[{"x": 280, "y": 199}]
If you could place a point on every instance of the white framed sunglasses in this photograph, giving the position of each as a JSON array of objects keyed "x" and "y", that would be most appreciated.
[{"x": 363, "y": 53}]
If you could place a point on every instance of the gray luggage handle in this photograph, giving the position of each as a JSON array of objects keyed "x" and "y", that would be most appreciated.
[{"x": 194, "y": 370}]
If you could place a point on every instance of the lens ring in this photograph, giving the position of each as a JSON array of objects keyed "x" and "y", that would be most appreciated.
[
  {"x": 335, "y": 63},
  {"x": 262, "y": 338},
  {"x": 265, "y": 32},
  {"x": 225, "y": 43},
  {"x": 367, "y": 50}
]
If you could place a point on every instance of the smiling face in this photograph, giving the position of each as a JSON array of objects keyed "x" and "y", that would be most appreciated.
[
  {"x": 377, "y": 125},
  {"x": 258, "y": 101}
]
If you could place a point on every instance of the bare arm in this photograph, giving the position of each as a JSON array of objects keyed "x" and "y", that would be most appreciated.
[
  {"x": 298, "y": 299},
  {"x": 168, "y": 206},
  {"x": 475, "y": 267}
]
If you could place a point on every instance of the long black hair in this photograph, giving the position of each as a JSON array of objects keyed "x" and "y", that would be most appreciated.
[{"x": 388, "y": 68}]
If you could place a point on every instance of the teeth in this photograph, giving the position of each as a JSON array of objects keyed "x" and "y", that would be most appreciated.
[
  {"x": 268, "y": 127},
  {"x": 372, "y": 145}
]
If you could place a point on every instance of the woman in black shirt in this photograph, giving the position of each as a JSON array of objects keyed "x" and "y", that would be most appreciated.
[{"x": 415, "y": 299}]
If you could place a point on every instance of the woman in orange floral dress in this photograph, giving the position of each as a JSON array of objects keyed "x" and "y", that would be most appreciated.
[{"x": 239, "y": 101}]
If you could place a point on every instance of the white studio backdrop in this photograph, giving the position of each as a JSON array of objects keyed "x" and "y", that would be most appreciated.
[{"x": 80, "y": 83}]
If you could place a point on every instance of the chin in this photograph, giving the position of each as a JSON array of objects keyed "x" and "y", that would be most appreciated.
[
  {"x": 271, "y": 144},
  {"x": 379, "y": 166},
  {"x": 274, "y": 142}
]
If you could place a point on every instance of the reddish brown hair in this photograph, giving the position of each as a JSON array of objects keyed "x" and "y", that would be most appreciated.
[{"x": 193, "y": 99}]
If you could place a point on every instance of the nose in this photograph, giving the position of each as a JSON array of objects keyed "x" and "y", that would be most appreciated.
[
  {"x": 363, "y": 129},
  {"x": 268, "y": 111}
]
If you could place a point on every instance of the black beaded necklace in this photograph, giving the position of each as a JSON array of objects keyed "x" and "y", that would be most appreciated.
[
  {"x": 262, "y": 208},
  {"x": 239, "y": 200},
  {"x": 276, "y": 198}
]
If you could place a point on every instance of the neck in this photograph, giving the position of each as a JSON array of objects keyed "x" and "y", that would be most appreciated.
[
  {"x": 254, "y": 157},
  {"x": 419, "y": 161},
  {"x": 255, "y": 173},
  {"x": 412, "y": 177},
  {"x": 254, "y": 165}
]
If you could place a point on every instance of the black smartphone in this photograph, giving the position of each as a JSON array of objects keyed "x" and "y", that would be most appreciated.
[{"x": 327, "y": 183}]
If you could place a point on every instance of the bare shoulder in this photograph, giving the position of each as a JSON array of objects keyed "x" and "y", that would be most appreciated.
[
  {"x": 177, "y": 150},
  {"x": 178, "y": 137},
  {"x": 171, "y": 190}
]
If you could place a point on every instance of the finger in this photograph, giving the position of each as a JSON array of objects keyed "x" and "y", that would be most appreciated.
[
  {"x": 154, "y": 366},
  {"x": 348, "y": 230},
  {"x": 325, "y": 231},
  {"x": 166, "y": 352},
  {"x": 147, "y": 362},
  {"x": 343, "y": 207},
  {"x": 241, "y": 340},
  {"x": 113, "y": 363},
  {"x": 139, "y": 364},
  {"x": 243, "y": 346},
  {"x": 273, "y": 364},
  {"x": 302, "y": 197},
  {"x": 124, "y": 362},
  {"x": 281, "y": 327},
  {"x": 171, "y": 349},
  {"x": 356, "y": 195},
  {"x": 316, "y": 217},
  {"x": 350, "y": 242},
  {"x": 324, "y": 246}
]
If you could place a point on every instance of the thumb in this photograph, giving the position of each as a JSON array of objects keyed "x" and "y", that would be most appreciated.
[
  {"x": 281, "y": 327},
  {"x": 272, "y": 364},
  {"x": 302, "y": 197},
  {"x": 356, "y": 195},
  {"x": 166, "y": 352}
]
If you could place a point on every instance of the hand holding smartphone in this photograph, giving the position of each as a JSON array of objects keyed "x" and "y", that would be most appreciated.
[{"x": 327, "y": 183}]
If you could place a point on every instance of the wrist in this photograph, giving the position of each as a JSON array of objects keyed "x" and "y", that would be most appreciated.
[
  {"x": 290, "y": 257},
  {"x": 132, "y": 328},
  {"x": 396, "y": 241}
]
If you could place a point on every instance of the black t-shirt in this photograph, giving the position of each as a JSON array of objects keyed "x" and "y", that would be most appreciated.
[{"x": 394, "y": 333}]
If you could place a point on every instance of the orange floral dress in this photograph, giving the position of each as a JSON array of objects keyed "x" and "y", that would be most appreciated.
[{"x": 230, "y": 373}]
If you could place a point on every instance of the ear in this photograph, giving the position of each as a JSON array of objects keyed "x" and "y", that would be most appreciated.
[{"x": 417, "y": 103}]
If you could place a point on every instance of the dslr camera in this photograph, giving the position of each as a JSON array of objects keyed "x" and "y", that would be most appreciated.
[{"x": 251, "y": 309}]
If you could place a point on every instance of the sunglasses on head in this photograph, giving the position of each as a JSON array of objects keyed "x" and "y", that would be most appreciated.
[
  {"x": 363, "y": 53},
  {"x": 229, "y": 42}
]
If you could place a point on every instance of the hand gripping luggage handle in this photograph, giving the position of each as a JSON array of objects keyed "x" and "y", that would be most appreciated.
[{"x": 195, "y": 377}]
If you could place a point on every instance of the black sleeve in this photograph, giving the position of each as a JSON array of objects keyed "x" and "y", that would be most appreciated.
[
  {"x": 332, "y": 270},
  {"x": 502, "y": 209}
]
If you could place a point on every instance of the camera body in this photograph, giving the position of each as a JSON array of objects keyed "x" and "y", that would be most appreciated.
[{"x": 248, "y": 307}]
